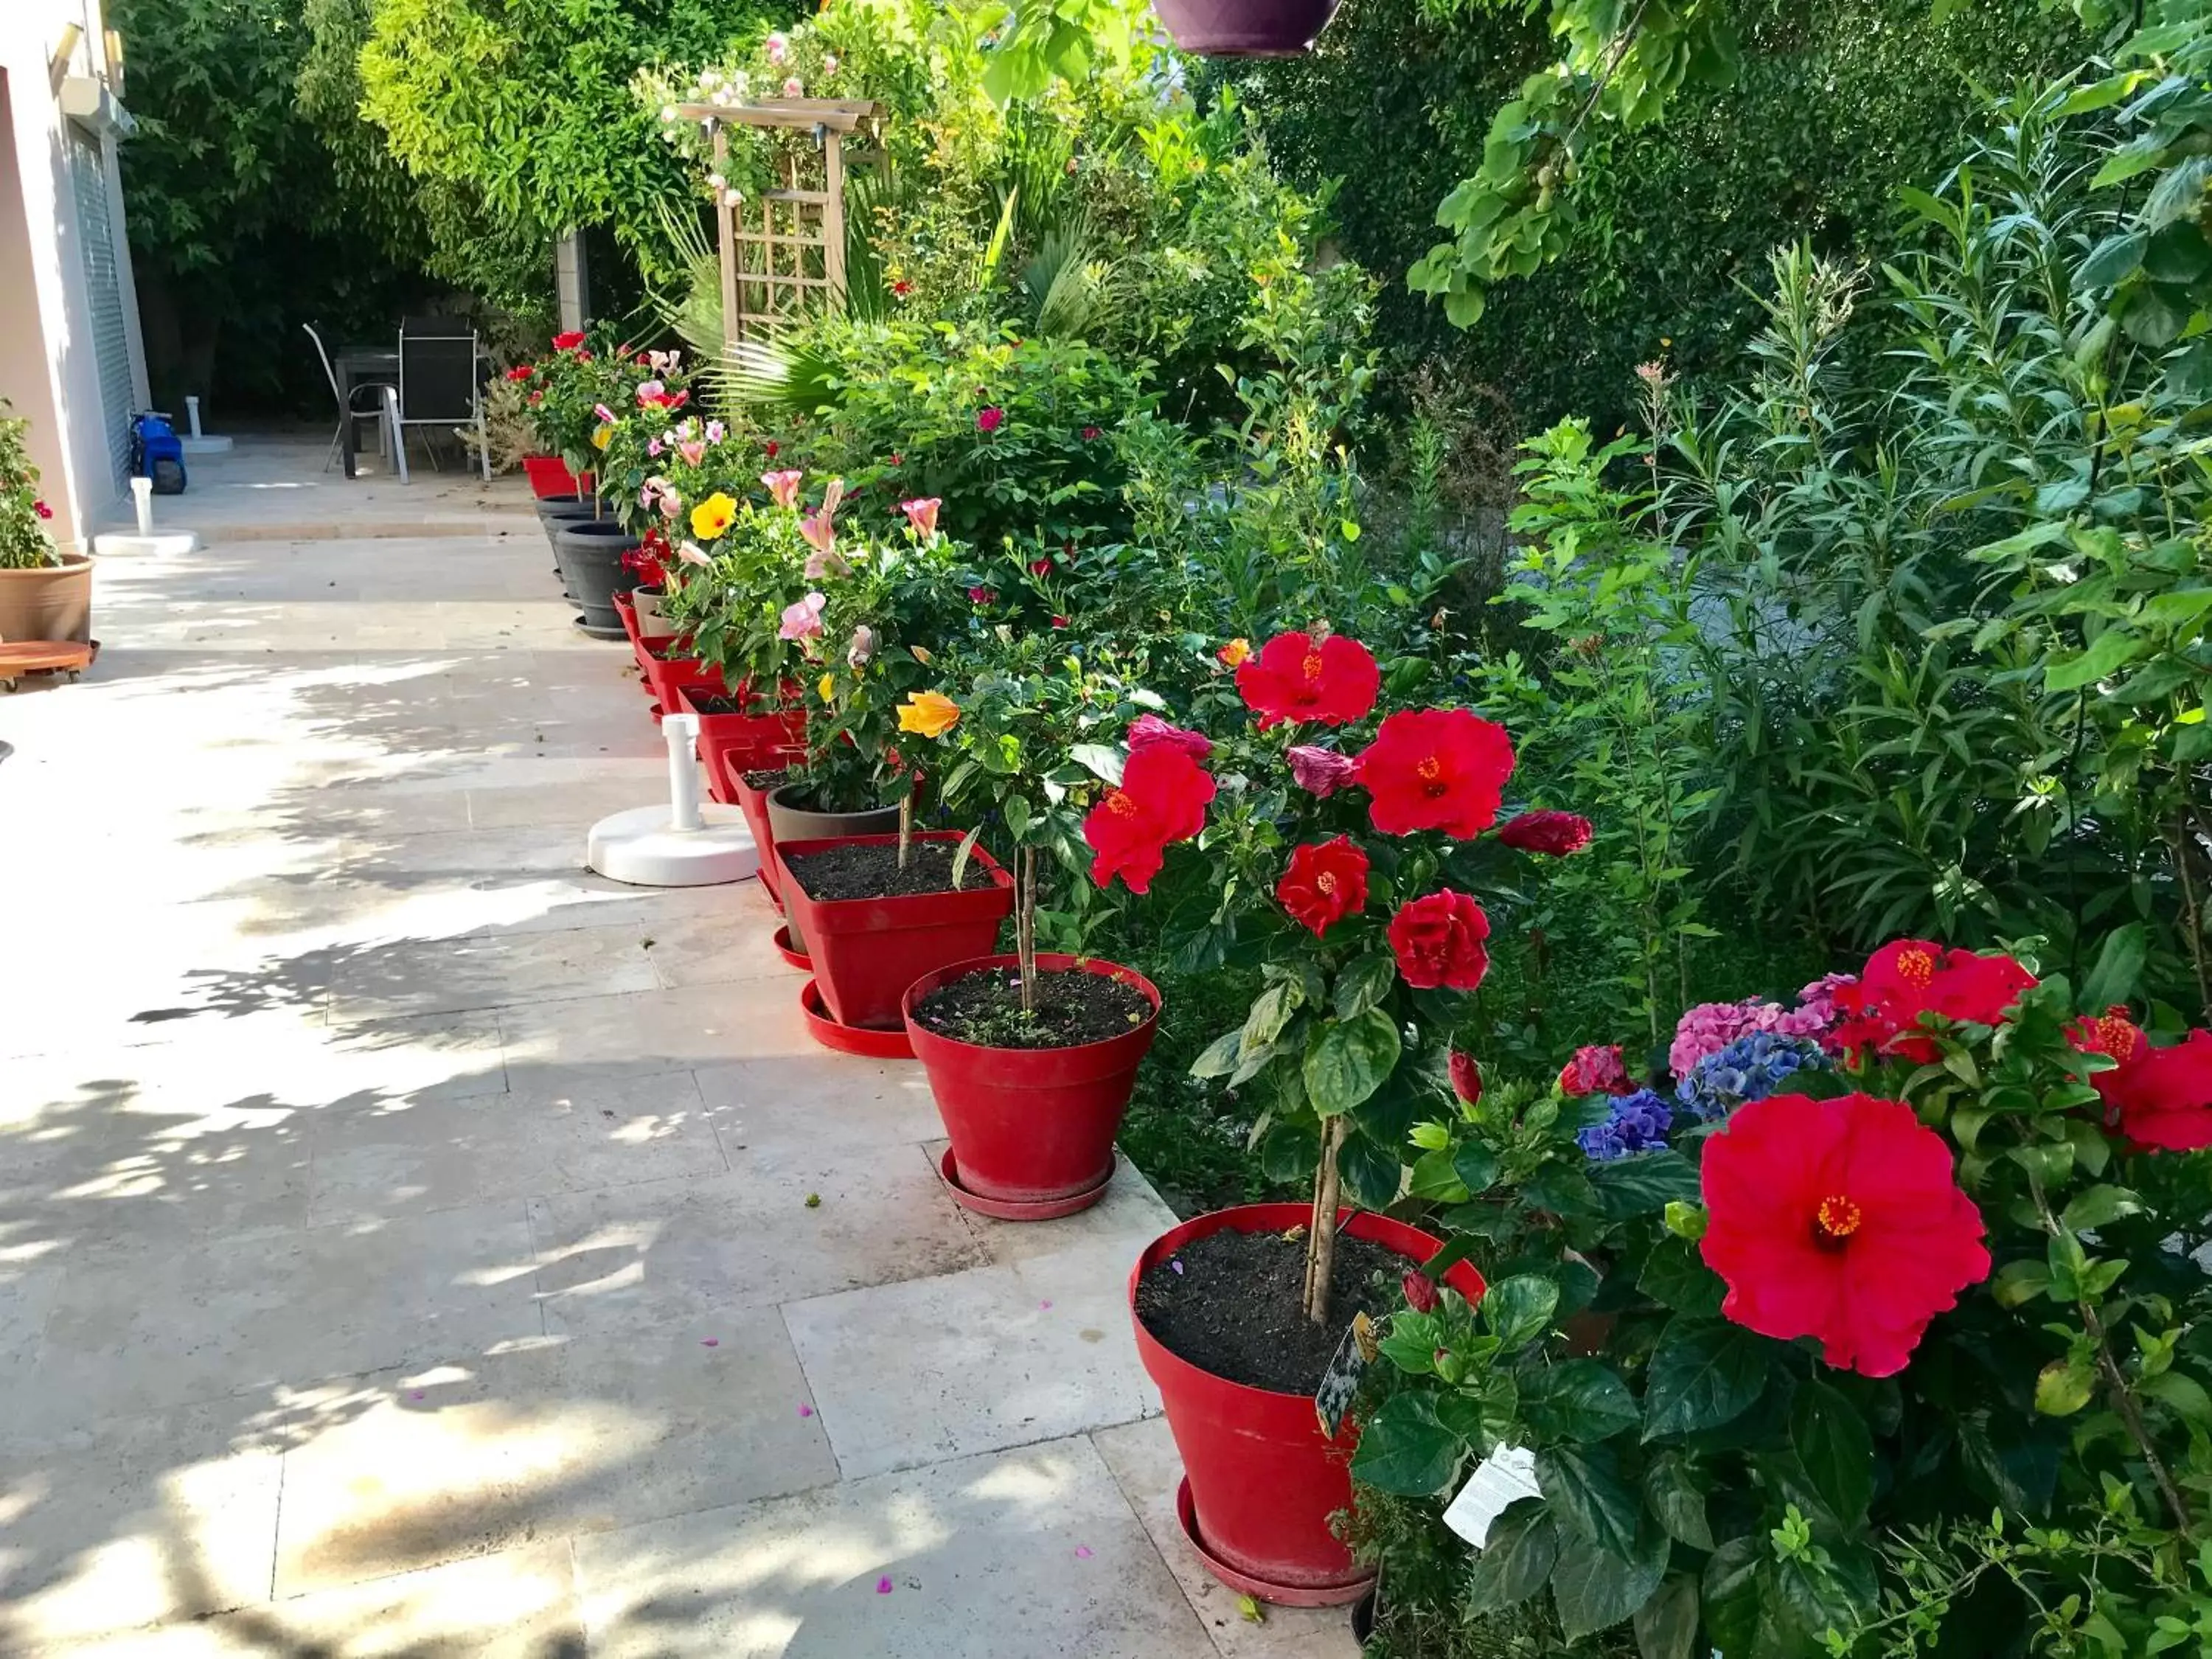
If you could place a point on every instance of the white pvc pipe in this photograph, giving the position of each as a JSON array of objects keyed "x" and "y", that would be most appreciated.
[
  {"x": 193, "y": 414},
  {"x": 682, "y": 733},
  {"x": 141, "y": 497}
]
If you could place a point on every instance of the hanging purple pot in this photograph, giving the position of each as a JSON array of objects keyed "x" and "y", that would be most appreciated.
[{"x": 1245, "y": 28}]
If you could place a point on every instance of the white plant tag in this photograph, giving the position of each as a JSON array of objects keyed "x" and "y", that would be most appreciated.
[{"x": 1499, "y": 1481}]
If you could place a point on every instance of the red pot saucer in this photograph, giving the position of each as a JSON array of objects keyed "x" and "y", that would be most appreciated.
[
  {"x": 798, "y": 959},
  {"x": 849, "y": 1039},
  {"x": 1008, "y": 1209},
  {"x": 1281, "y": 1595}
]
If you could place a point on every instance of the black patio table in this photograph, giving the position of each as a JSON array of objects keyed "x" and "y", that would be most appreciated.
[{"x": 358, "y": 366}]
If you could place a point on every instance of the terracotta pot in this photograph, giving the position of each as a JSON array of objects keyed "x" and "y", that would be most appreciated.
[
  {"x": 50, "y": 602},
  {"x": 1246, "y": 29},
  {"x": 1263, "y": 1479},
  {"x": 548, "y": 476},
  {"x": 1032, "y": 1126},
  {"x": 732, "y": 743},
  {"x": 867, "y": 952},
  {"x": 590, "y": 552}
]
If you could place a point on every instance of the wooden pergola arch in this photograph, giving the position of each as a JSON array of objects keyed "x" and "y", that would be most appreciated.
[{"x": 795, "y": 258}]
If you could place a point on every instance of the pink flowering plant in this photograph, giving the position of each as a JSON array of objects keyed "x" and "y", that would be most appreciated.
[{"x": 25, "y": 541}]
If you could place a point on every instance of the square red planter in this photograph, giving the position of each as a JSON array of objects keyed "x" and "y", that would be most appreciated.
[
  {"x": 549, "y": 476},
  {"x": 735, "y": 743},
  {"x": 867, "y": 951}
]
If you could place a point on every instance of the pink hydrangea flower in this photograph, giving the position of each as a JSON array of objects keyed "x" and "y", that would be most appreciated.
[{"x": 802, "y": 620}]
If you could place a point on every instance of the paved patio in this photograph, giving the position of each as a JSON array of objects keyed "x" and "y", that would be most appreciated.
[{"x": 405, "y": 1238}]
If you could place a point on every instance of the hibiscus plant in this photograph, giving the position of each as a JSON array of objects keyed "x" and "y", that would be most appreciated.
[
  {"x": 1789, "y": 1321},
  {"x": 1345, "y": 858},
  {"x": 739, "y": 561}
]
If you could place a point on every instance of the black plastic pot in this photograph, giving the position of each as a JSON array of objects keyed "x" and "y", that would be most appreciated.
[
  {"x": 590, "y": 554},
  {"x": 1246, "y": 29},
  {"x": 554, "y": 510}
]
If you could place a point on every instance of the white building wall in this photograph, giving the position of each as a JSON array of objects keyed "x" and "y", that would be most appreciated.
[{"x": 50, "y": 367}]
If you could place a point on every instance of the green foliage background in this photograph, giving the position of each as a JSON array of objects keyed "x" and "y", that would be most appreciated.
[{"x": 1836, "y": 104}]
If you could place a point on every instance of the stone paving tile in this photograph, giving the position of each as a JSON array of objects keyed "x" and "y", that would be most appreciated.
[
  {"x": 637, "y": 1259},
  {"x": 931, "y": 1368},
  {"x": 455, "y": 975},
  {"x": 694, "y": 1025},
  {"x": 592, "y": 1129},
  {"x": 136, "y": 1330},
  {"x": 563, "y": 1438},
  {"x": 1028, "y": 1554},
  {"x": 818, "y": 1099},
  {"x": 133, "y": 1521},
  {"x": 520, "y": 1604},
  {"x": 1143, "y": 1458}
]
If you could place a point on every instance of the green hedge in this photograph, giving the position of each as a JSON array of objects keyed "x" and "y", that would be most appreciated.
[{"x": 1837, "y": 104}]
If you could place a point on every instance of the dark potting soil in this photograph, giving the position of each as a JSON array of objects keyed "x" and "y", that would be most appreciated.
[
  {"x": 1072, "y": 1008},
  {"x": 767, "y": 779},
  {"x": 865, "y": 872},
  {"x": 716, "y": 703},
  {"x": 1237, "y": 1307}
]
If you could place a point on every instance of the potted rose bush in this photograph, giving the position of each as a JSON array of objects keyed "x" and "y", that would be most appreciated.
[
  {"x": 1790, "y": 1324},
  {"x": 1032, "y": 1056},
  {"x": 1350, "y": 853},
  {"x": 45, "y": 593}
]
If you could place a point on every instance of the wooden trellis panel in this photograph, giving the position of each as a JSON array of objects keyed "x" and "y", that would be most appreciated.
[{"x": 783, "y": 255}]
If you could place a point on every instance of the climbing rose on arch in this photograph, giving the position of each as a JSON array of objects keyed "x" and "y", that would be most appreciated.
[
  {"x": 1162, "y": 798},
  {"x": 1840, "y": 1219},
  {"x": 1435, "y": 769},
  {"x": 1326, "y": 882},
  {"x": 1295, "y": 678}
]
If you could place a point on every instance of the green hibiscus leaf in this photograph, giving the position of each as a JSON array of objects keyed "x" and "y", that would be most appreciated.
[
  {"x": 1518, "y": 1310},
  {"x": 1370, "y": 1172},
  {"x": 1703, "y": 1373},
  {"x": 1578, "y": 1399},
  {"x": 1666, "y": 1625},
  {"x": 1517, "y": 1558},
  {"x": 1836, "y": 1449},
  {"x": 1671, "y": 1488},
  {"x": 1584, "y": 1486},
  {"x": 1349, "y": 1060},
  {"x": 1643, "y": 1185},
  {"x": 1404, "y": 1450},
  {"x": 1594, "y": 1588}
]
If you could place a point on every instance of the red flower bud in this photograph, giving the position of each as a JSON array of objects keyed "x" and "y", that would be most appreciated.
[
  {"x": 1420, "y": 1290},
  {"x": 1466, "y": 1077}
]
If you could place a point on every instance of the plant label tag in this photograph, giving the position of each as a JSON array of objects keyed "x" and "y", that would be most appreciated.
[
  {"x": 1339, "y": 1383},
  {"x": 1499, "y": 1481}
]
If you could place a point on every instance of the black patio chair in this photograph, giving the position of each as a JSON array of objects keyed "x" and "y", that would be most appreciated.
[
  {"x": 438, "y": 381},
  {"x": 350, "y": 408}
]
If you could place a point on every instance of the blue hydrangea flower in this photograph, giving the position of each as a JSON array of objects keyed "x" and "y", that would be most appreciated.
[
  {"x": 1638, "y": 1123},
  {"x": 1750, "y": 1068}
]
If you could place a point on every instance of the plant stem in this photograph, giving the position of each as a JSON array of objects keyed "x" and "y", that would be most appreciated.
[
  {"x": 2192, "y": 912},
  {"x": 906, "y": 829},
  {"x": 1320, "y": 1235},
  {"x": 1025, "y": 930}
]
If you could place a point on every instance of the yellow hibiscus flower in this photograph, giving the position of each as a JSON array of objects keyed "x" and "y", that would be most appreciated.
[
  {"x": 602, "y": 437},
  {"x": 1234, "y": 652},
  {"x": 930, "y": 713},
  {"x": 712, "y": 516},
  {"x": 826, "y": 688}
]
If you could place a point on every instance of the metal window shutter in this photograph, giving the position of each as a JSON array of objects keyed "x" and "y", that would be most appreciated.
[{"x": 110, "y": 342}]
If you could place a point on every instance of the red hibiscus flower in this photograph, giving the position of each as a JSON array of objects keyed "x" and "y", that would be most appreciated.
[
  {"x": 570, "y": 341},
  {"x": 1595, "y": 1066},
  {"x": 1148, "y": 729},
  {"x": 1296, "y": 678},
  {"x": 990, "y": 419},
  {"x": 1840, "y": 1219},
  {"x": 1062, "y": 622},
  {"x": 1162, "y": 798},
  {"x": 1466, "y": 1077},
  {"x": 1041, "y": 567},
  {"x": 1435, "y": 769},
  {"x": 981, "y": 595},
  {"x": 1326, "y": 881},
  {"x": 2160, "y": 1099},
  {"x": 902, "y": 288},
  {"x": 519, "y": 372},
  {"x": 1556, "y": 833},
  {"x": 1438, "y": 940},
  {"x": 1910, "y": 977},
  {"x": 771, "y": 449},
  {"x": 1090, "y": 433}
]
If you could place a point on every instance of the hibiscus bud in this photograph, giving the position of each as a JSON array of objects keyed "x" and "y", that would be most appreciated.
[
  {"x": 1556, "y": 833},
  {"x": 1319, "y": 771},
  {"x": 1685, "y": 1220},
  {"x": 1420, "y": 1290},
  {"x": 1465, "y": 1077},
  {"x": 1448, "y": 1364}
]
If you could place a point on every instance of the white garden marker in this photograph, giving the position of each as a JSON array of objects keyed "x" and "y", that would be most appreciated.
[
  {"x": 147, "y": 539},
  {"x": 687, "y": 843}
]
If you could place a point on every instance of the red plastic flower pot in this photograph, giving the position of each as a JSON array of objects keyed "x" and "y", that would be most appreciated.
[
  {"x": 733, "y": 744},
  {"x": 1263, "y": 1478},
  {"x": 548, "y": 475},
  {"x": 1031, "y": 1125},
  {"x": 867, "y": 952},
  {"x": 754, "y": 804},
  {"x": 1246, "y": 29}
]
